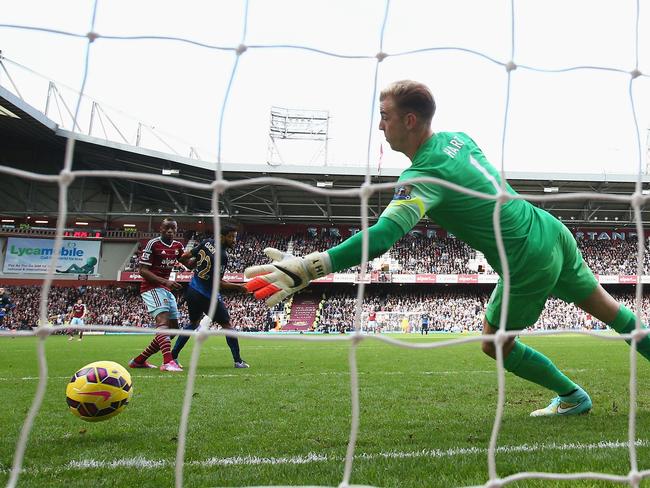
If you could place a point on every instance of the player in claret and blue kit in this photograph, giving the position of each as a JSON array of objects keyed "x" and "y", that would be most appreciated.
[
  {"x": 202, "y": 259},
  {"x": 157, "y": 261},
  {"x": 77, "y": 314},
  {"x": 542, "y": 255}
]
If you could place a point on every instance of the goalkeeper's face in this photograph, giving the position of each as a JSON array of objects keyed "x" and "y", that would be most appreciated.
[{"x": 393, "y": 124}]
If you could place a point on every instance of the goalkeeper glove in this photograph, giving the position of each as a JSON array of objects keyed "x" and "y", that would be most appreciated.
[{"x": 286, "y": 275}]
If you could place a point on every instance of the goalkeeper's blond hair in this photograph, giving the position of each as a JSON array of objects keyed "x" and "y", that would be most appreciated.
[{"x": 411, "y": 96}]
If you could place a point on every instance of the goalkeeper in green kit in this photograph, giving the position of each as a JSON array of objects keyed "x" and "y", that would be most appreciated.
[{"x": 543, "y": 258}]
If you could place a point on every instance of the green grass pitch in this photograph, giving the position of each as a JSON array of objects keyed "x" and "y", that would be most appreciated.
[{"x": 426, "y": 416}]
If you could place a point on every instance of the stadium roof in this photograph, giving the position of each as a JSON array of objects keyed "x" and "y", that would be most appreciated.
[{"x": 32, "y": 142}]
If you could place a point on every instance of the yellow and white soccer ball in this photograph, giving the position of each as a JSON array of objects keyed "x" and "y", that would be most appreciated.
[{"x": 99, "y": 391}]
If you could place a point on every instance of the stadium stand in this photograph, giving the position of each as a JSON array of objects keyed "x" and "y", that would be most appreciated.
[
  {"x": 613, "y": 257},
  {"x": 416, "y": 253},
  {"x": 118, "y": 306},
  {"x": 331, "y": 308},
  {"x": 421, "y": 253}
]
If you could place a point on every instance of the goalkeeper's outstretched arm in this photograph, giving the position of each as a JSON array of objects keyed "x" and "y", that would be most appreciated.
[{"x": 288, "y": 274}]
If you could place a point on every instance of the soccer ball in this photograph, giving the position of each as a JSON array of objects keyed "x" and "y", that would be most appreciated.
[{"x": 99, "y": 391}]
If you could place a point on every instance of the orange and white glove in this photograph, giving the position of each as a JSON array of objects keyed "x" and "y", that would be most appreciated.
[{"x": 286, "y": 275}]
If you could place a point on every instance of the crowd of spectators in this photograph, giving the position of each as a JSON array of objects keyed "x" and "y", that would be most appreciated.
[
  {"x": 248, "y": 314},
  {"x": 249, "y": 250},
  {"x": 444, "y": 255},
  {"x": 614, "y": 257},
  {"x": 418, "y": 253},
  {"x": 106, "y": 305},
  {"x": 449, "y": 309},
  {"x": 117, "y": 306},
  {"x": 414, "y": 253},
  {"x": 447, "y": 255}
]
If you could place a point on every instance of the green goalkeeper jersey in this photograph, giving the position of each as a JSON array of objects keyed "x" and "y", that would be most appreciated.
[{"x": 528, "y": 232}]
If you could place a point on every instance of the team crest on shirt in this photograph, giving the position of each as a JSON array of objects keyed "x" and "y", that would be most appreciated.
[{"x": 403, "y": 193}]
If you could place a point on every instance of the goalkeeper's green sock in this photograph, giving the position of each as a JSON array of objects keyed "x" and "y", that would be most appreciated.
[
  {"x": 531, "y": 365},
  {"x": 624, "y": 323}
]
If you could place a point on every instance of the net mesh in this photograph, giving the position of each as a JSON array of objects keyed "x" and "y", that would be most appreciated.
[{"x": 219, "y": 186}]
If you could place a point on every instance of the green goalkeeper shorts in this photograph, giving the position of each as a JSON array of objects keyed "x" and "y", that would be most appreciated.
[{"x": 563, "y": 274}]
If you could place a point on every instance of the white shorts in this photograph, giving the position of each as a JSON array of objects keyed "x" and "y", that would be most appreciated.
[
  {"x": 77, "y": 321},
  {"x": 160, "y": 300}
]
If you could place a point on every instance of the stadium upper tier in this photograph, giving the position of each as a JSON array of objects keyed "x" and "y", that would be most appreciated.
[
  {"x": 420, "y": 252},
  {"x": 425, "y": 255},
  {"x": 31, "y": 142}
]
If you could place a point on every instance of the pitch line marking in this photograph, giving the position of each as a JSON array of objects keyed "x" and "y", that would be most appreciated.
[
  {"x": 267, "y": 375},
  {"x": 293, "y": 375},
  {"x": 144, "y": 463}
]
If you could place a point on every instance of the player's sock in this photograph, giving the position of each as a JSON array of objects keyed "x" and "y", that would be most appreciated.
[
  {"x": 624, "y": 323},
  {"x": 233, "y": 344},
  {"x": 531, "y": 365},
  {"x": 152, "y": 348},
  {"x": 165, "y": 347},
  {"x": 180, "y": 341}
]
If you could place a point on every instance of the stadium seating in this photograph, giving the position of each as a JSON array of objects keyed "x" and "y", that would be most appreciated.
[
  {"x": 456, "y": 309},
  {"x": 333, "y": 309},
  {"x": 417, "y": 253}
]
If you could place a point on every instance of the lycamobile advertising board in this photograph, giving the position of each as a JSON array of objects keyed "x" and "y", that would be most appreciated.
[{"x": 34, "y": 256}]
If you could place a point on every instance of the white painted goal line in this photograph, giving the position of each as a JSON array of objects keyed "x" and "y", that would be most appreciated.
[
  {"x": 141, "y": 462},
  {"x": 67, "y": 176}
]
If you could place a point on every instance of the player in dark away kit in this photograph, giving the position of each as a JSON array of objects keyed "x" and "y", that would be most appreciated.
[{"x": 202, "y": 259}]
